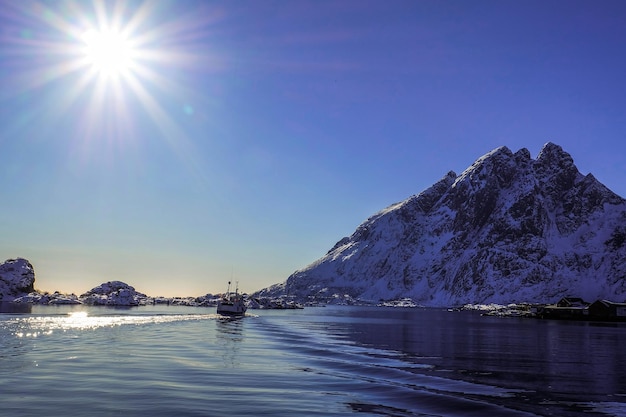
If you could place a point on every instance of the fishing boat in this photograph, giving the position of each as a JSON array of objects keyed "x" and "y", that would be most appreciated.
[{"x": 231, "y": 304}]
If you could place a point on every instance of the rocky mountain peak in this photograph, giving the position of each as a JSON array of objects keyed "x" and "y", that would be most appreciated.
[
  {"x": 507, "y": 229},
  {"x": 475, "y": 176},
  {"x": 553, "y": 155},
  {"x": 555, "y": 168},
  {"x": 522, "y": 156}
]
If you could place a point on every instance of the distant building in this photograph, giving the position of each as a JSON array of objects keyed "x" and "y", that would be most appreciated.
[
  {"x": 572, "y": 308},
  {"x": 572, "y": 302},
  {"x": 568, "y": 308},
  {"x": 607, "y": 310}
]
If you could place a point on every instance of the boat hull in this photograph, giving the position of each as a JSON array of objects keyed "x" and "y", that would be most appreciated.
[
  {"x": 231, "y": 309},
  {"x": 231, "y": 313}
]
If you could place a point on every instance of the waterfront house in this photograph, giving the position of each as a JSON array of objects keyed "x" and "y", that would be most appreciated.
[
  {"x": 568, "y": 308},
  {"x": 607, "y": 310},
  {"x": 573, "y": 302}
]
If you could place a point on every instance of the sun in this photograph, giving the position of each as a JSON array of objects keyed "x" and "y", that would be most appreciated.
[{"x": 108, "y": 52}]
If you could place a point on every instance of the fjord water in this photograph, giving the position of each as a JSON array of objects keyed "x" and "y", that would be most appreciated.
[{"x": 184, "y": 361}]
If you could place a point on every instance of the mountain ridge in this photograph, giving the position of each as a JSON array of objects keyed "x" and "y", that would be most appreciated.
[{"x": 509, "y": 228}]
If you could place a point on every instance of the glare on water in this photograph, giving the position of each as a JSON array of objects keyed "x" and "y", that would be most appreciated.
[{"x": 81, "y": 320}]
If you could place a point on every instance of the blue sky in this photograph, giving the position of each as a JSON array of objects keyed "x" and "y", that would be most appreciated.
[{"x": 243, "y": 139}]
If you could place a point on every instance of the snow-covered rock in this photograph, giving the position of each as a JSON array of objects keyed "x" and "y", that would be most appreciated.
[
  {"x": 403, "y": 303},
  {"x": 208, "y": 300},
  {"x": 59, "y": 299},
  {"x": 113, "y": 293},
  {"x": 508, "y": 229},
  {"x": 45, "y": 298},
  {"x": 17, "y": 278}
]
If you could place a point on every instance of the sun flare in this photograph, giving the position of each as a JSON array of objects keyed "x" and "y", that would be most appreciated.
[
  {"x": 108, "y": 52},
  {"x": 114, "y": 72}
]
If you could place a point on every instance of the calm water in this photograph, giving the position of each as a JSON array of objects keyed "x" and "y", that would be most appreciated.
[{"x": 177, "y": 361}]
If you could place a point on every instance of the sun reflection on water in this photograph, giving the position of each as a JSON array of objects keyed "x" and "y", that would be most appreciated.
[{"x": 32, "y": 327}]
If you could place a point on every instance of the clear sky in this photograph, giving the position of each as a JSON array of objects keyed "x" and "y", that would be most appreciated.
[{"x": 174, "y": 145}]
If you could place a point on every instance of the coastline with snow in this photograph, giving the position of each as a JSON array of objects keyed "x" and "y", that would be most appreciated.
[{"x": 509, "y": 229}]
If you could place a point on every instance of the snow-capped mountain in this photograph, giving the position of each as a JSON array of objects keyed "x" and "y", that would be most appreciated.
[
  {"x": 17, "y": 277},
  {"x": 508, "y": 229}
]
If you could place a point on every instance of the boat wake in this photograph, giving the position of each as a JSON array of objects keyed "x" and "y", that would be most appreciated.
[{"x": 386, "y": 382}]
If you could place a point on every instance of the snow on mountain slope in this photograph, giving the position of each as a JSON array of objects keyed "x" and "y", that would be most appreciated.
[{"x": 508, "y": 229}]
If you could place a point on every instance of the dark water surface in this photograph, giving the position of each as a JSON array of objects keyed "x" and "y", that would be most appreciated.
[{"x": 182, "y": 361}]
